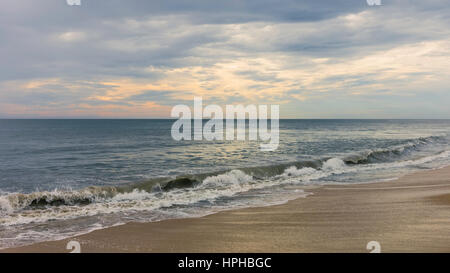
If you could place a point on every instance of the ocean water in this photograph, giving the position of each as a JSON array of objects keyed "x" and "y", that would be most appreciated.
[{"x": 60, "y": 178}]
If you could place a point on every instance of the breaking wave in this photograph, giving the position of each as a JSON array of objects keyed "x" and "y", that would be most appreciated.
[
  {"x": 233, "y": 181},
  {"x": 190, "y": 190},
  {"x": 392, "y": 153}
]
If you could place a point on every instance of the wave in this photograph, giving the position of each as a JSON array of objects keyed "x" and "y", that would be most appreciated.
[
  {"x": 189, "y": 189},
  {"x": 14, "y": 201},
  {"x": 181, "y": 190},
  {"x": 392, "y": 153}
]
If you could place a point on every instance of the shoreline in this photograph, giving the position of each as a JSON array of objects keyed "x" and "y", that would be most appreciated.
[{"x": 409, "y": 214}]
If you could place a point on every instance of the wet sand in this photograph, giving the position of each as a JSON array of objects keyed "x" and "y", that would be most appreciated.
[{"x": 411, "y": 214}]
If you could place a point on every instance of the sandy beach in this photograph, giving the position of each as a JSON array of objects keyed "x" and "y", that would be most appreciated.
[{"x": 411, "y": 214}]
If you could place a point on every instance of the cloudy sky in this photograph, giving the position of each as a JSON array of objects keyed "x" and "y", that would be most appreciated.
[{"x": 138, "y": 58}]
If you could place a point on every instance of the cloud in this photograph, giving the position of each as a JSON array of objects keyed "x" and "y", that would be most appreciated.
[
  {"x": 137, "y": 58},
  {"x": 72, "y": 36}
]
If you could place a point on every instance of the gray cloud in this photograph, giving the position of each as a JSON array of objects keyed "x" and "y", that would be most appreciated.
[{"x": 110, "y": 39}]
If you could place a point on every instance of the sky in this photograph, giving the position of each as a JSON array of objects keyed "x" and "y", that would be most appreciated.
[{"x": 138, "y": 59}]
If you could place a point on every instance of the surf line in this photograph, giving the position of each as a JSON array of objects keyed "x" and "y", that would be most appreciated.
[{"x": 237, "y": 115}]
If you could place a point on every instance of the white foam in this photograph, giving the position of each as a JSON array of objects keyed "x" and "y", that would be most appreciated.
[
  {"x": 234, "y": 177},
  {"x": 212, "y": 188},
  {"x": 5, "y": 205},
  {"x": 293, "y": 171},
  {"x": 333, "y": 164},
  {"x": 303, "y": 175},
  {"x": 135, "y": 195},
  {"x": 338, "y": 166}
]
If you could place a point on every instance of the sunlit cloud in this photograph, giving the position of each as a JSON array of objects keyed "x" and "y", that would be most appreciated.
[
  {"x": 72, "y": 36},
  {"x": 139, "y": 60}
]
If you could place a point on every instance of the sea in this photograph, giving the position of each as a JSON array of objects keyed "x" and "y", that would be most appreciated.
[{"x": 66, "y": 177}]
